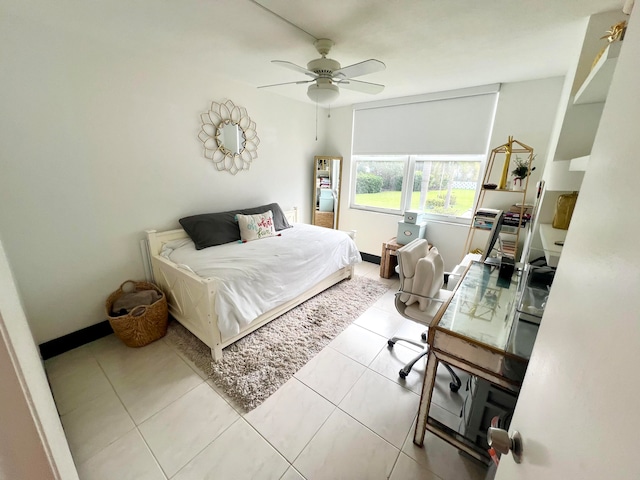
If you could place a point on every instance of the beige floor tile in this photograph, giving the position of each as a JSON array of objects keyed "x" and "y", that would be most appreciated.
[
  {"x": 359, "y": 344},
  {"x": 331, "y": 374},
  {"x": 180, "y": 431},
  {"x": 389, "y": 362},
  {"x": 387, "y": 301},
  {"x": 408, "y": 469},
  {"x": 444, "y": 460},
  {"x": 343, "y": 448},
  {"x": 290, "y": 417},
  {"x": 79, "y": 384},
  {"x": 95, "y": 424},
  {"x": 66, "y": 363},
  {"x": 383, "y": 406},
  {"x": 239, "y": 453},
  {"x": 128, "y": 458},
  {"x": 147, "y": 379},
  {"x": 380, "y": 321},
  {"x": 292, "y": 474}
]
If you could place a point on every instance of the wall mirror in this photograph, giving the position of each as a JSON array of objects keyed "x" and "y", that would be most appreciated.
[
  {"x": 229, "y": 137},
  {"x": 327, "y": 179}
]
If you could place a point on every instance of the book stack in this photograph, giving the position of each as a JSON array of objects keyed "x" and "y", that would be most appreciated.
[
  {"x": 512, "y": 219},
  {"x": 509, "y": 248},
  {"x": 485, "y": 218},
  {"x": 515, "y": 208}
]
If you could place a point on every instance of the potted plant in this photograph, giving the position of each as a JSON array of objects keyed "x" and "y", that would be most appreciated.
[{"x": 521, "y": 171}]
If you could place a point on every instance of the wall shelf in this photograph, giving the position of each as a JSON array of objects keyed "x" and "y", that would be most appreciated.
[
  {"x": 596, "y": 86},
  {"x": 579, "y": 164},
  {"x": 548, "y": 236}
]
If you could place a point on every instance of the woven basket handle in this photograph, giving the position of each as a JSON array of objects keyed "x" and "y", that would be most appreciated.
[
  {"x": 128, "y": 281},
  {"x": 140, "y": 308}
]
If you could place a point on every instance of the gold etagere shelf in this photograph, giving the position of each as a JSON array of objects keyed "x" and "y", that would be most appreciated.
[{"x": 512, "y": 147}]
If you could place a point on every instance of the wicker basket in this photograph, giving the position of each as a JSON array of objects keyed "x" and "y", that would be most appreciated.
[{"x": 145, "y": 323}]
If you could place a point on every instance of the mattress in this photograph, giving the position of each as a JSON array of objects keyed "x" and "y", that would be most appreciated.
[{"x": 254, "y": 277}]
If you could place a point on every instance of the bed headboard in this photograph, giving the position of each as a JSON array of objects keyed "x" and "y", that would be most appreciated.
[{"x": 291, "y": 215}]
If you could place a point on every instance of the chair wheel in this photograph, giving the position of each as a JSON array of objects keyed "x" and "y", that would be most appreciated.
[
  {"x": 423, "y": 335},
  {"x": 403, "y": 374},
  {"x": 454, "y": 387},
  {"x": 391, "y": 343}
]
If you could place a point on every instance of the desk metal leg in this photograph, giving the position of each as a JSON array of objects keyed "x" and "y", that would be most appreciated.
[{"x": 425, "y": 398}]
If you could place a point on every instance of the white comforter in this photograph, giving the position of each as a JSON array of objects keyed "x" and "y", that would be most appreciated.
[{"x": 254, "y": 277}]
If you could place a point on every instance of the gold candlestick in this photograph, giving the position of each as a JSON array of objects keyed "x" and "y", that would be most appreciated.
[{"x": 505, "y": 169}]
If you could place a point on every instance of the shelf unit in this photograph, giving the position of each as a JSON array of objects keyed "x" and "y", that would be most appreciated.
[
  {"x": 510, "y": 235},
  {"x": 584, "y": 98}
]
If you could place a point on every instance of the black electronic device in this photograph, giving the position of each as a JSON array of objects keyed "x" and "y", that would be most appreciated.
[
  {"x": 507, "y": 266},
  {"x": 494, "y": 237}
]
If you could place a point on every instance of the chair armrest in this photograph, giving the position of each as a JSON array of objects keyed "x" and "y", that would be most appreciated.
[{"x": 435, "y": 299}]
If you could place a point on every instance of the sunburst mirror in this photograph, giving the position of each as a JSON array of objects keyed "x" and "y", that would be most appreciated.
[{"x": 229, "y": 137}]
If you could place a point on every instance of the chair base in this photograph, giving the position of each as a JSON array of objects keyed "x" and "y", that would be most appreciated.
[{"x": 455, "y": 383}]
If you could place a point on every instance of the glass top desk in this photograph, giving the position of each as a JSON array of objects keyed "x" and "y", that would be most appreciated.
[{"x": 480, "y": 332}]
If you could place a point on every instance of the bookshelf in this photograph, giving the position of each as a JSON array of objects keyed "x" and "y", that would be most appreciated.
[{"x": 510, "y": 233}]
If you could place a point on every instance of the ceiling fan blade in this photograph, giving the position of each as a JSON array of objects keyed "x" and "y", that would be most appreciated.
[
  {"x": 286, "y": 83},
  {"x": 360, "y": 86},
  {"x": 358, "y": 69},
  {"x": 294, "y": 67}
]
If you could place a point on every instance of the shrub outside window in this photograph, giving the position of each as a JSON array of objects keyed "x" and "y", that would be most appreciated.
[{"x": 441, "y": 185}]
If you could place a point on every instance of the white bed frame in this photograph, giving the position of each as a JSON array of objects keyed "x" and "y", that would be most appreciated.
[{"x": 191, "y": 298}]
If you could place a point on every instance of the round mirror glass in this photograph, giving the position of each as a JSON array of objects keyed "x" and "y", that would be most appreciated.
[{"x": 230, "y": 138}]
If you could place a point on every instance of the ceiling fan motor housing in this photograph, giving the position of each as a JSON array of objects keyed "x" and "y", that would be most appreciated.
[{"x": 324, "y": 67}]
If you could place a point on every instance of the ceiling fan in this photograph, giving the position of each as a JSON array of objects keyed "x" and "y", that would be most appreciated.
[{"x": 327, "y": 76}]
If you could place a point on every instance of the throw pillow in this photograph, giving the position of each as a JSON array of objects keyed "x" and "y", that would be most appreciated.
[{"x": 255, "y": 227}]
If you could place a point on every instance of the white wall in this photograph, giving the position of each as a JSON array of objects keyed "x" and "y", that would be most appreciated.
[
  {"x": 98, "y": 142},
  {"x": 526, "y": 110}
]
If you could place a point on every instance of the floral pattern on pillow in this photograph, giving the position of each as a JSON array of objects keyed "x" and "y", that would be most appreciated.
[{"x": 255, "y": 227}]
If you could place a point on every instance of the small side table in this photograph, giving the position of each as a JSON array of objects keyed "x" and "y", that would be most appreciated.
[{"x": 388, "y": 259}]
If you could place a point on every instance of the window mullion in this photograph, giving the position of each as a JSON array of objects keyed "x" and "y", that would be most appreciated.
[{"x": 407, "y": 183}]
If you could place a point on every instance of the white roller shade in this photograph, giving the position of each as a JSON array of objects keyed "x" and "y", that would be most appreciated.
[{"x": 446, "y": 123}]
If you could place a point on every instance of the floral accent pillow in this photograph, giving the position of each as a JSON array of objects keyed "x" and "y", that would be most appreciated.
[{"x": 255, "y": 227}]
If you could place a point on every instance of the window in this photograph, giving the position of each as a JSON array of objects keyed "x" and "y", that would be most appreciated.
[
  {"x": 436, "y": 184},
  {"x": 422, "y": 153}
]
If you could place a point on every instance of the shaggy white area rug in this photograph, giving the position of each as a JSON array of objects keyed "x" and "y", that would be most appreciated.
[{"x": 257, "y": 365}]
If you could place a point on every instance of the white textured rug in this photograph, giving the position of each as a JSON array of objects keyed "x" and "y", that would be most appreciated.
[{"x": 257, "y": 365}]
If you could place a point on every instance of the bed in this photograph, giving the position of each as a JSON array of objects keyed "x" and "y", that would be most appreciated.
[{"x": 224, "y": 292}]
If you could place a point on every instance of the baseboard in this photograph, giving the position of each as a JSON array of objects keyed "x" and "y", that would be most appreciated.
[
  {"x": 367, "y": 257},
  {"x": 74, "y": 340}
]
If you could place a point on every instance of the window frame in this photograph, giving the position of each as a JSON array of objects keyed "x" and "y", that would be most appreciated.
[{"x": 409, "y": 169}]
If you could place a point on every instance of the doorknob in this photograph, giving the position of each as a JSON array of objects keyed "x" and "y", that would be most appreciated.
[{"x": 501, "y": 442}]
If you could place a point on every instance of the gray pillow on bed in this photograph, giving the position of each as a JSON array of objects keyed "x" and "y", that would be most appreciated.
[{"x": 210, "y": 229}]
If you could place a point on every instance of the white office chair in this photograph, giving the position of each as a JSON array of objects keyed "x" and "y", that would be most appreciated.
[{"x": 421, "y": 272}]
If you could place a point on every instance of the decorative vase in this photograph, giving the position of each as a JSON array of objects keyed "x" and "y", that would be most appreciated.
[{"x": 517, "y": 184}]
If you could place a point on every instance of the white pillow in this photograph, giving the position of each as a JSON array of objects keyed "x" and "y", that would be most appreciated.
[{"x": 255, "y": 227}]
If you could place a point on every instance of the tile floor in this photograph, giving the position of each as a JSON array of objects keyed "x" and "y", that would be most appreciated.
[{"x": 150, "y": 414}]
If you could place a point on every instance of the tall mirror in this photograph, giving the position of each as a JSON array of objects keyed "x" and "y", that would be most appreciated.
[{"x": 327, "y": 177}]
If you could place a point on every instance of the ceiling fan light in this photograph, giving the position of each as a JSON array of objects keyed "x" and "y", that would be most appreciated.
[{"x": 323, "y": 93}]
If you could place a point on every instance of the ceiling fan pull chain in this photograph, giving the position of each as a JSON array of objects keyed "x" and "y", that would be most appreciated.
[{"x": 316, "y": 121}]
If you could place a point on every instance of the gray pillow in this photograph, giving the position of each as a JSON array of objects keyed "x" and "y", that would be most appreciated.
[{"x": 210, "y": 229}]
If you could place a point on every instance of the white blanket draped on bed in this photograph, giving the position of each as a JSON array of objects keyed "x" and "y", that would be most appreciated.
[{"x": 254, "y": 277}]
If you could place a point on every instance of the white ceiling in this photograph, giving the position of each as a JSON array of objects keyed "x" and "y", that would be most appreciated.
[{"x": 427, "y": 45}]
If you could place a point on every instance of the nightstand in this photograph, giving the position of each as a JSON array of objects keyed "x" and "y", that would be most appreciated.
[{"x": 388, "y": 259}]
